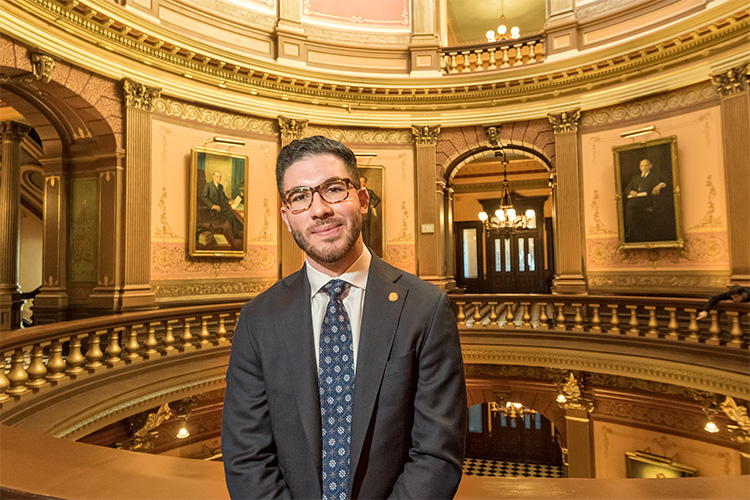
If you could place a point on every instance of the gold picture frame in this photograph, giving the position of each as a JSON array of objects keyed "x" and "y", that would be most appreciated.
[
  {"x": 218, "y": 183},
  {"x": 649, "y": 210},
  {"x": 373, "y": 222},
  {"x": 641, "y": 464}
]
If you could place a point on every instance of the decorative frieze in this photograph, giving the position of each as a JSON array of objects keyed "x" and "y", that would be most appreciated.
[
  {"x": 425, "y": 134},
  {"x": 567, "y": 121},
  {"x": 206, "y": 116},
  {"x": 733, "y": 81},
  {"x": 138, "y": 95}
]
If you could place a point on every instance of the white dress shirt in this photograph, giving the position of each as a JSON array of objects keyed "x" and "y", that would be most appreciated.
[{"x": 354, "y": 299}]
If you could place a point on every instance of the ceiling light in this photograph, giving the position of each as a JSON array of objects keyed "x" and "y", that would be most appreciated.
[{"x": 502, "y": 30}]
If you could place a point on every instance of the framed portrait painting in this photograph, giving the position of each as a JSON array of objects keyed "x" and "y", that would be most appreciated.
[
  {"x": 641, "y": 464},
  {"x": 647, "y": 192},
  {"x": 218, "y": 183},
  {"x": 373, "y": 228}
]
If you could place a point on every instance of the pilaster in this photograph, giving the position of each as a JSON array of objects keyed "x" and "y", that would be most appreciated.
[
  {"x": 567, "y": 193},
  {"x": 425, "y": 40},
  {"x": 291, "y": 256},
  {"x": 734, "y": 88},
  {"x": 10, "y": 236}
]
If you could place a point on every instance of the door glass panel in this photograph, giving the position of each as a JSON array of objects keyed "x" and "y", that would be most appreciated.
[
  {"x": 532, "y": 263},
  {"x": 475, "y": 418},
  {"x": 498, "y": 257},
  {"x": 470, "y": 252},
  {"x": 507, "y": 255},
  {"x": 521, "y": 255}
]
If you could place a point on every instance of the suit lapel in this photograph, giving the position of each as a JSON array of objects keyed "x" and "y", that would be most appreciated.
[
  {"x": 295, "y": 325},
  {"x": 380, "y": 318}
]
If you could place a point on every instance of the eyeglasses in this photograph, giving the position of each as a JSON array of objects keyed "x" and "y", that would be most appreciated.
[{"x": 300, "y": 198}]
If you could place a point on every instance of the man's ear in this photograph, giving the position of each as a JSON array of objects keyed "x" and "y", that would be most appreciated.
[
  {"x": 284, "y": 217},
  {"x": 364, "y": 200}
]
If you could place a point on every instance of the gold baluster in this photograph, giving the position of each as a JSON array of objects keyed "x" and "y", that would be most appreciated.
[
  {"x": 736, "y": 330},
  {"x": 509, "y": 316},
  {"x": 186, "y": 339},
  {"x": 633, "y": 331},
  {"x": 55, "y": 363},
  {"x": 653, "y": 332},
  {"x": 480, "y": 64},
  {"x": 221, "y": 332},
  {"x": 532, "y": 52},
  {"x": 94, "y": 353},
  {"x": 672, "y": 326},
  {"x": 4, "y": 382},
  {"x": 150, "y": 343},
  {"x": 17, "y": 376},
  {"x": 615, "y": 320},
  {"x": 493, "y": 62},
  {"x": 465, "y": 67},
  {"x": 36, "y": 369},
  {"x": 526, "y": 317},
  {"x": 506, "y": 61},
  {"x": 461, "y": 315},
  {"x": 169, "y": 340},
  {"x": 714, "y": 329},
  {"x": 132, "y": 347},
  {"x": 560, "y": 318},
  {"x": 477, "y": 317},
  {"x": 454, "y": 64},
  {"x": 578, "y": 318},
  {"x": 596, "y": 320},
  {"x": 692, "y": 326},
  {"x": 203, "y": 333},
  {"x": 113, "y": 350},
  {"x": 519, "y": 56},
  {"x": 543, "y": 318},
  {"x": 75, "y": 359}
]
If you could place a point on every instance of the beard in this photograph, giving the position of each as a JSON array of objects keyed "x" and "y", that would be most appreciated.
[{"x": 334, "y": 251}]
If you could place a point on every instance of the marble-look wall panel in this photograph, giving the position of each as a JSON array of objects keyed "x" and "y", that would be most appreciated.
[{"x": 84, "y": 230}]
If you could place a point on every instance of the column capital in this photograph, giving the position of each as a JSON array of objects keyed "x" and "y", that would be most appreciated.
[
  {"x": 291, "y": 128},
  {"x": 138, "y": 95},
  {"x": 493, "y": 134},
  {"x": 567, "y": 121},
  {"x": 42, "y": 66},
  {"x": 13, "y": 131},
  {"x": 425, "y": 134},
  {"x": 732, "y": 81}
]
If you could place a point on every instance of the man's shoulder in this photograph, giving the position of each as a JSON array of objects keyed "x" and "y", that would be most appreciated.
[{"x": 273, "y": 296}]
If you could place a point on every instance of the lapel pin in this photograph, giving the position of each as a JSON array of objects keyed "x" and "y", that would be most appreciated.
[{"x": 393, "y": 296}]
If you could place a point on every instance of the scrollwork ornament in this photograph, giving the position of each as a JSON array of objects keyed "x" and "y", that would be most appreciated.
[
  {"x": 567, "y": 121},
  {"x": 424, "y": 134},
  {"x": 42, "y": 66},
  {"x": 291, "y": 128},
  {"x": 733, "y": 81},
  {"x": 138, "y": 95}
]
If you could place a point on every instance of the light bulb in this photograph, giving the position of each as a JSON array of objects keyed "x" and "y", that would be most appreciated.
[
  {"x": 530, "y": 213},
  {"x": 482, "y": 216},
  {"x": 490, "y": 36},
  {"x": 500, "y": 214},
  {"x": 515, "y": 32},
  {"x": 561, "y": 398},
  {"x": 512, "y": 214},
  {"x": 501, "y": 30},
  {"x": 182, "y": 433},
  {"x": 711, "y": 427}
]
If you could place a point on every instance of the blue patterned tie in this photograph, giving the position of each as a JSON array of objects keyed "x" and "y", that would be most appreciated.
[{"x": 336, "y": 377}]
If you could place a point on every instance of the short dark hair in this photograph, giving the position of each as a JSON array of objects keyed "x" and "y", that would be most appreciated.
[
  {"x": 299, "y": 149},
  {"x": 736, "y": 290}
]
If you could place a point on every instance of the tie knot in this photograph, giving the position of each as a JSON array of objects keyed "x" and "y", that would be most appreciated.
[{"x": 335, "y": 288}]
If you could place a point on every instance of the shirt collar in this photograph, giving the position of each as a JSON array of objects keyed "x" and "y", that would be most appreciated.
[{"x": 356, "y": 275}]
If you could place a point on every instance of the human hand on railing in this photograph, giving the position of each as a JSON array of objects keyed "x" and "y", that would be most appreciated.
[{"x": 702, "y": 315}]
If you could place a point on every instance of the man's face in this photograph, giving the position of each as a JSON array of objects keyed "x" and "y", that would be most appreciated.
[
  {"x": 329, "y": 233},
  {"x": 738, "y": 297},
  {"x": 217, "y": 177},
  {"x": 645, "y": 167},
  {"x": 363, "y": 182}
]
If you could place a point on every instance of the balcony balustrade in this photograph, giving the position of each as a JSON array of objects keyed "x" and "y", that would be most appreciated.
[{"x": 495, "y": 55}]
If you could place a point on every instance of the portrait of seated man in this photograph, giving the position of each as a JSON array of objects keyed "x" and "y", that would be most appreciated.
[
  {"x": 220, "y": 222},
  {"x": 648, "y": 206}
]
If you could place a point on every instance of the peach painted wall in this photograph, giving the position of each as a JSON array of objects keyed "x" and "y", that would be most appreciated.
[
  {"x": 383, "y": 15},
  {"x": 611, "y": 441},
  {"x": 701, "y": 174},
  {"x": 170, "y": 183}
]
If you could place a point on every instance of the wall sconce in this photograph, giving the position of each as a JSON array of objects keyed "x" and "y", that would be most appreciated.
[
  {"x": 182, "y": 432},
  {"x": 639, "y": 131},
  {"x": 711, "y": 426},
  {"x": 226, "y": 140}
]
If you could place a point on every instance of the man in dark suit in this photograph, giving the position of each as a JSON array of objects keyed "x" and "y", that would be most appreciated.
[
  {"x": 646, "y": 214},
  {"x": 296, "y": 424},
  {"x": 217, "y": 201}
]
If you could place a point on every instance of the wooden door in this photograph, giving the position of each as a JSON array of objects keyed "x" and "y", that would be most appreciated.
[{"x": 469, "y": 256}]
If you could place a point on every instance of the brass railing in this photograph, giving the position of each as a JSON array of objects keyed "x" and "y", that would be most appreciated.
[{"x": 494, "y": 55}]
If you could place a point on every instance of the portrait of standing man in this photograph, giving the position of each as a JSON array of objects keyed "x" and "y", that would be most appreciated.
[{"x": 345, "y": 378}]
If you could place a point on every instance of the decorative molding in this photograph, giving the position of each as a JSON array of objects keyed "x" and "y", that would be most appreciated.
[
  {"x": 425, "y": 134},
  {"x": 733, "y": 81},
  {"x": 652, "y": 106},
  {"x": 356, "y": 38},
  {"x": 13, "y": 131},
  {"x": 199, "y": 114},
  {"x": 492, "y": 132},
  {"x": 194, "y": 289},
  {"x": 42, "y": 66},
  {"x": 138, "y": 95},
  {"x": 626, "y": 280},
  {"x": 291, "y": 128},
  {"x": 363, "y": 136},
  {"x": 172, "y": 259},
  {"x": 567, "y": 121}
]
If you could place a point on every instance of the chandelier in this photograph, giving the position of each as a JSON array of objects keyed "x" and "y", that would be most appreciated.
[
  {"x": 506, "y": 217},
  {"x": 511, "y": 409},
  {"x": 502, "y": 30}
]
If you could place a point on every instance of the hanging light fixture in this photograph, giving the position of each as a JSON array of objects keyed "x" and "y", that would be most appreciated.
[
  {"x": 510, "y": 409},
  {"x": 506, "y": 217},
  {"x": 502, "y": 30}
]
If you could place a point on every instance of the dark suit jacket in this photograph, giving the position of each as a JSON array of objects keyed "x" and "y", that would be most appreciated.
[{"x": 409, "y": 413}]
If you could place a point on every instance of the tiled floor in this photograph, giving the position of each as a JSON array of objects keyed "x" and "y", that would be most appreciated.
[{"x": 493, "y": 468}]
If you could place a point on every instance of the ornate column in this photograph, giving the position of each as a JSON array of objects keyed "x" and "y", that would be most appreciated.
[
  {"x": 10, "y": 232},
  {"x": 733, "y": 86},
  {"x": 425, "y": 39},
  {"x": 430, "y": 217},
  {"x": 561, "y": 27},
  {"x": 291, "y": 257},
  {"x": 124, "y": 270},
  {"x": 568, "y": 218},
  {"x": 449, "y": 241},
  {"x": 580, "y": 446},
  {"x": 291, "y": 41}
]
